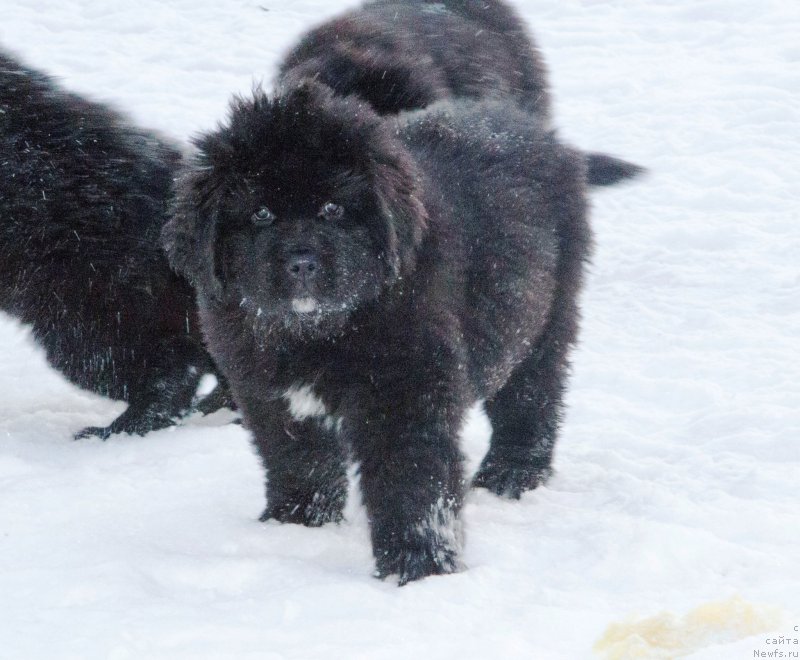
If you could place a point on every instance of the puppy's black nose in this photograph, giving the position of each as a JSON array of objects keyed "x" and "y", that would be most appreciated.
[{"x": 303, "y": 266}]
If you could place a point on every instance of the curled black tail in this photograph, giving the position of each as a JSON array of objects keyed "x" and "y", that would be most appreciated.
[{"x": 604, "y": 170}]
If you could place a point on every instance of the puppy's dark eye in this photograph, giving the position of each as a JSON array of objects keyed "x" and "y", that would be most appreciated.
[
  {"x": 331, "y": 211},
  {"x": 263, "y": 217}
]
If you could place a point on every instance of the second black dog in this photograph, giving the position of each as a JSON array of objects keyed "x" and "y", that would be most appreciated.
[
  {"x": 83, "y": 197},
  {"x": 406, "y": 54}
]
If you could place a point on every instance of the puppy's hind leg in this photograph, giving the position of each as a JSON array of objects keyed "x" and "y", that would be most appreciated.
[
  {"x": 159, "y": 391},
  {"x": 526, "y": 414}
]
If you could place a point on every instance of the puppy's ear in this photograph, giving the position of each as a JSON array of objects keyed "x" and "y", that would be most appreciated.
[
  {"x": 397, "y": 184},
  {"x": 190, "y": 235}
]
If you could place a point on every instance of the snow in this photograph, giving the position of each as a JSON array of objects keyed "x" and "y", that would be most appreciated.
[{"x": 677, "y": 472}]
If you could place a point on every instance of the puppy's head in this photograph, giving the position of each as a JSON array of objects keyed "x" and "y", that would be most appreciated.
[{"x": 301, "y": 209}]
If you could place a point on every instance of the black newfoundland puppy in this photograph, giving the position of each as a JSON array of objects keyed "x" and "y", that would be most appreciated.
[
  {"x": 83, "y": 197},
  {"x": 362, "y": 282},
  {"x": 406, "y": 54}
]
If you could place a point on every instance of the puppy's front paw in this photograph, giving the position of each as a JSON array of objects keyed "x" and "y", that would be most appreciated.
[
  {"x": 136, "y": 420},
  {"x": 508, "y": 477},
  {"x": 312, "y": 510},
  {"x": 431, "y": 547},
  {"x": 415, "y": 564}
]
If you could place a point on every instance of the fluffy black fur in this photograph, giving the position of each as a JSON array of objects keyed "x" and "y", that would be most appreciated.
[
  {"x": 406, "y": 54},
  {"x": 83, "y": 197},
  {"x": 362, "y": 282}
]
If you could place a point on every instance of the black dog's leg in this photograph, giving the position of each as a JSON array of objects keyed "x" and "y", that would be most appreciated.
[
  {"x": 161, "y": 394},
  {"x": 526, "y": 414},
  {"x": 412, "y": 483},
  {"x": 305, "y": 464}
]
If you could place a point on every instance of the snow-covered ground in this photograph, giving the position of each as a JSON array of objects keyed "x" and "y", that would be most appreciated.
[{"x": 677, "y": 480}]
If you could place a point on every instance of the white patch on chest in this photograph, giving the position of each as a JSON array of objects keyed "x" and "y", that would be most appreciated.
[
  {"x": 304, "y": 403},
  {"x": 304, "y": 305}
]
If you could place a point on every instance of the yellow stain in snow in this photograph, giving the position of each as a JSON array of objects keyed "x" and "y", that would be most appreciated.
[{"x": 666, "y": 636}]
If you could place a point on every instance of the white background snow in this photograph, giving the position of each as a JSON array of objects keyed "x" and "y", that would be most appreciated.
[{"x": 677, "y": 472}]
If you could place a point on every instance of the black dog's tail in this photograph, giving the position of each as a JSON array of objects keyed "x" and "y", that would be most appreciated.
[{"x": 605, "y": 170}]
